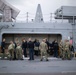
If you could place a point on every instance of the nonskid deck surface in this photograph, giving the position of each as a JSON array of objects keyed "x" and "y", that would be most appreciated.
[
  {"x": 37, "y": 67},
  {"x": 37, "y": 73}
]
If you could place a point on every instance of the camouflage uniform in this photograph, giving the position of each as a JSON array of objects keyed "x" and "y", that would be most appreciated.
[
  {"x": 61, "y": 48},
  {"x": 43, "y": 49},
  {"x": 19, "y": 54},
  {"x": 66, "y": 50},
  {"x": 16, "y": 42},
  {"x": 11, "y": 51}
]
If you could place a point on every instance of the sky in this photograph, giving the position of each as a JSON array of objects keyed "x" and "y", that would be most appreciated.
[{"x": 47, "y": 6}]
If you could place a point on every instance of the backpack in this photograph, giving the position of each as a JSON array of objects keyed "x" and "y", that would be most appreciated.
[{"x": 11, "y": 46}]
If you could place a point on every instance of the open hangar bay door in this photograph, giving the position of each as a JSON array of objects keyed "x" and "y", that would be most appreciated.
[{"x": 50, "y": 37}]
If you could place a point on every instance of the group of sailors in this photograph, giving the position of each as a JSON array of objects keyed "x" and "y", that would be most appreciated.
[
  {"x": 16, "y": 49},
  {"x": 66, "y": 49}
]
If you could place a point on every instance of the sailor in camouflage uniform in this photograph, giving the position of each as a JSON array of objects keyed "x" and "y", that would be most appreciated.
[
  {"x": 43, "y": 49},
  {"x": 11, "y": 48},
  {"x": 61, "y": 48},
  {"x": 19, "y": 53},
  {"x": 66, "y": 50}
]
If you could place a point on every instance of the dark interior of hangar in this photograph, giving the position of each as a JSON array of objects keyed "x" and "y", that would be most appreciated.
[{"x": 50, "y": 37}]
